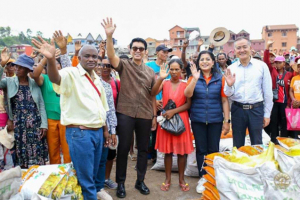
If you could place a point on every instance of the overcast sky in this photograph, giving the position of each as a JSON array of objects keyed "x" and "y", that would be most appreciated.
[{"x": 146, "y": 18}]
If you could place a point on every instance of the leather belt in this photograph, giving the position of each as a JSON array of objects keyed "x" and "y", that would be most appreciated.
[
  {"x": 248, "y": 106},
  {"x": 82, "y": 127}
]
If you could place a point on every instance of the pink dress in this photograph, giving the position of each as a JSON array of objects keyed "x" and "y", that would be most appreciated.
[{"x": 166, "y": 142}]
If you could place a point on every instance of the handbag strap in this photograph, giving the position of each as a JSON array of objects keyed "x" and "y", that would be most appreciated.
[
  {"x": 92, "y": 83},
  {"x": 283, "y": 75}
]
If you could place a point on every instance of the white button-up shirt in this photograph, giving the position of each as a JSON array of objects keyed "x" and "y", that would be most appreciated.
[{"x": 253, "y": 84}]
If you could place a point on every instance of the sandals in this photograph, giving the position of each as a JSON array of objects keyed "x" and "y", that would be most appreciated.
[
  {"x": 184, "y": 187},
  {"x": 132, "y": 157},
  {"x": 165, "y": 187}
]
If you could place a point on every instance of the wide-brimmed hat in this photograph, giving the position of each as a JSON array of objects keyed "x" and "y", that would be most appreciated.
[
  {"x": 295, "y": 65},
  {"x": 293, "y": 49},
  {"x": 219, "y": 36},
  {"x": 25, "y": 61}
]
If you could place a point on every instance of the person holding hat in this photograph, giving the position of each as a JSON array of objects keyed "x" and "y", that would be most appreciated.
[
  {"x": 161, "y": 58},
  {"x": 280, "y": 85},
  {"x": 27, "y": 111}
]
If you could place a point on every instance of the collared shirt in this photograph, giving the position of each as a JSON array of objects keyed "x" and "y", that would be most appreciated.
[
  {"x": 79, "y": 101},
  {"x": 253, "y": 84},
  {"x": 111, "y": 121},
  {"x": 135, "y": 98}
]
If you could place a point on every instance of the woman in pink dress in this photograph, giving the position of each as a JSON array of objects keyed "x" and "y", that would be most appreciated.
[{"x": 166, "y": 142}]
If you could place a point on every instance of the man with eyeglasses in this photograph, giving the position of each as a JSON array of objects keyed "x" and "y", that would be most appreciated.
[
  {"x": 249, "y": 85},
  {"x": 135, "y": 109},
  {"x": 10, "y": 68}
]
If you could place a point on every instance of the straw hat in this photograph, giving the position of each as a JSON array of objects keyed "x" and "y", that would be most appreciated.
[{"x": 219, "y": 36}]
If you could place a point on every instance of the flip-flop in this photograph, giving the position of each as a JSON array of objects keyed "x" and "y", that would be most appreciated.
[
  {"x": 165, "y": 187},
  {"x": 184, "y": 187},
  {"x": 132, "y": 158}
]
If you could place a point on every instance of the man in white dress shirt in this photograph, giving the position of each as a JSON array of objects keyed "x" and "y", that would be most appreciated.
[{"x": 249, "y": 86}]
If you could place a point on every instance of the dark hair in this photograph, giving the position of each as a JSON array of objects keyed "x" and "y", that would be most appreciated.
[
  {"x": 124, "y": 56},
  {"x": 178, "y": 61},
  {"x": 58, "y": 60},
  {"x": 138, "y": 40},
  {"x": 211, "y": 55},
  {"x": 219, "y": 54}
]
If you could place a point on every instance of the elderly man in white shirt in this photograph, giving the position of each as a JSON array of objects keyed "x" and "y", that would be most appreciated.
[{"x": 249, "y": 86}]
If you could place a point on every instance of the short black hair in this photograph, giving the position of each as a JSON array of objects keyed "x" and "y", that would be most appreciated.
[
  {"x": 138, "y": 40},
  {"x": 221, "y": 54},
  {"x": 178, "y": 61},
  {"x": 211, "y": 55}
]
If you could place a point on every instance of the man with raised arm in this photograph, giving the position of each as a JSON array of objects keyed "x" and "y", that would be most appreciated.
[
  {"x": 136, "y": 107},
  {"x": 83, "y": 111}
]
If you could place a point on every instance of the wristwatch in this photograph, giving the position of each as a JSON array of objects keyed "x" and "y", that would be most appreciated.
[{"x": 227, "y": 121}]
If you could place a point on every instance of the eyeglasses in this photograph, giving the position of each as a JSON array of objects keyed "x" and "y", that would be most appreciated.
[
  {"x": 106, "y": 65},
  {"x": 141, "y": 49}
]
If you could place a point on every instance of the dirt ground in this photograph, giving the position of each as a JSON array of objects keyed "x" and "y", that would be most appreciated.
[{"x": 153, "y": 180}]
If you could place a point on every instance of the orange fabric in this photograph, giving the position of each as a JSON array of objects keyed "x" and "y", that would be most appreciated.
[
  {"x": 210, "y": 179},
  {"x": 209, "y": 163},
  {"x": 290, "y": 142},
  {"x": 212, "y": 189},
  {"x": 56, "y": 137},
  {"x": 166, "y": 142},
  {"x": 280, "y": 148},
  {"x": 295, "y": 84},
  {"x": 208, "y": 194},
  {"x": 211, "y": 157},
  {"x": 75, "y": 61},
  {"x": 229, "y": 135},
  {"x": 251, "y": 151},
  {"x": 207, "y": 81},
  {"x": 210, "y": 170}
]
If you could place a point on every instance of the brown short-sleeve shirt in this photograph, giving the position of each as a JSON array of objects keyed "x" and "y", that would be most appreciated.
[{"x": 135, "y": 98}]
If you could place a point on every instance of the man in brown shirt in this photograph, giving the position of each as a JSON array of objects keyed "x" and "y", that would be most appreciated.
[{"x": 135, "y": 107}]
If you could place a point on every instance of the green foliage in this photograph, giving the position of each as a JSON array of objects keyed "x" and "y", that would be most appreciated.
[{"x": 6, "y": 39}]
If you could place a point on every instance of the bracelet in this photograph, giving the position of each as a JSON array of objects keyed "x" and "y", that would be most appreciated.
[{"x": 154, "y": 116}]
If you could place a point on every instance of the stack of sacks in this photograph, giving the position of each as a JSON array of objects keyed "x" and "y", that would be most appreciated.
[
  {"x": 51, "y": 182},
  {"x": 236, "y": 175},
  {"x": 160, "y": 162},
  {"x": 211, "y": 191}
]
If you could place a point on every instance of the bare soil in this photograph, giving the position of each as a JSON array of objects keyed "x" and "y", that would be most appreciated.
[{"x": 153, "y": 180}]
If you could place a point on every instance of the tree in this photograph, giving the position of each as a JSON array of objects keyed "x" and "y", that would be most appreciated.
[
  {"x": 2, "y": 31},
  {"x": 39, "y": 33},
  {"x": 29, "y": 32},
  {"x": 8, "y": 30}
]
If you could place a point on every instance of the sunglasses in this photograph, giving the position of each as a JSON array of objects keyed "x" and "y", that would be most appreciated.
[
  {"x": 106, "y": 65},
  {"x": 141, "y": 49}
]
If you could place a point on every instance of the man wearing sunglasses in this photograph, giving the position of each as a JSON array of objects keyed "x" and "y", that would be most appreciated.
[
  {"x": 135, "y": 109},
  {"x": 10, "y": 68}
]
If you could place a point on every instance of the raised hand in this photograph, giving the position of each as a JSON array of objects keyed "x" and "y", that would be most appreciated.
[
  {"x": 34, "y": 54},
  {"x": 78, "y": 46},
  {"x": 211, "y": 45},
  {"x": 269, "y": 43},
  {"x": 195, "y": 72},
  {"x": 57, "y": 53},
  {"x": 5, "y": 56},
  {"x": 48, "y": 50},
  {"x": 186, "y": 43},
  {"x": 60, "y": 40},
  {"x": 108, "y": 26},
  {"x": 230, "y": 79},
  {"x": 200, "y": 42},
  {"x": 164, "y": 71}
]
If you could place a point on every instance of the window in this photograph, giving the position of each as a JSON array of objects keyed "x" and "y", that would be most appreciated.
[
  {"x": 283, "y": 44},
  {"x": 174, "y": 49},
  {"x": 178, "y": 34},
  {"x": 180, "y": 48},
  {"x": 259, "y": 43},
  {"x": 269, "y": 34},
  {"x": 150, "y": 43},
  {"x": 180, "y": 42},
  {"x": 283, "y": 33}
]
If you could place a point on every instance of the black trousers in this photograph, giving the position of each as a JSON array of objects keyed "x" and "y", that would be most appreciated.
[
  {"x": 207, "y": 140},
  {"x": 125, "y": 128},
  {"x": 243, "y": 119},
  {"x": 278, "y": 117}
]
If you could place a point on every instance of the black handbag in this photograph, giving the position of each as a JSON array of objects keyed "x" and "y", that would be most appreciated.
[{"x": 174, "y": 125}]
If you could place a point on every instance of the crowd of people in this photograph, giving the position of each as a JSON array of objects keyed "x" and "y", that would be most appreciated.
[{"x": 89, "y": 108}]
